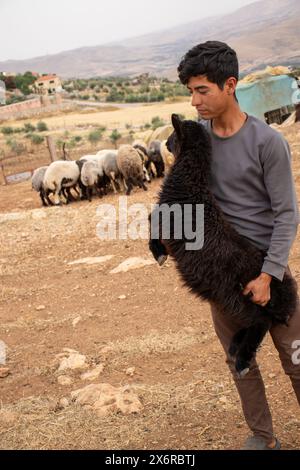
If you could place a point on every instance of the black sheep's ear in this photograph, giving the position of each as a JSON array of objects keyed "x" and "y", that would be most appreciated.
[{"x": 177, "y": 124}]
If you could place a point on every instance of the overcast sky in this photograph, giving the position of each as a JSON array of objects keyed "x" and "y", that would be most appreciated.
[{"x": 30, "y": 28}]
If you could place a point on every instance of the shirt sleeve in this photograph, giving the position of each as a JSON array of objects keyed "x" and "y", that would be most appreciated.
[{"x": 278, "y": 178}]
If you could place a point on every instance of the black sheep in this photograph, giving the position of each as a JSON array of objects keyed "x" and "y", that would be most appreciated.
[{"x": 227, "y": 261}]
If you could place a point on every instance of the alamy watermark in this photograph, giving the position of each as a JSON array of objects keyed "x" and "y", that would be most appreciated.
[
  {"x": 132, "y": 222},
  {"x": 296, "y": 354},
  {"x": 2, "y": 92}
]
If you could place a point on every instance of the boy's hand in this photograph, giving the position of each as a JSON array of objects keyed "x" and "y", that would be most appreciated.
[{"x": 260, "y": 289}]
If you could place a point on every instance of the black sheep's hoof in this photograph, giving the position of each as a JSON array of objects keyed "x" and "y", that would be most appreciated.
[
  {"x": 162, "y": 259},
  {"x": 243, "y": 372},
  {"x": 242, "y": 367}
]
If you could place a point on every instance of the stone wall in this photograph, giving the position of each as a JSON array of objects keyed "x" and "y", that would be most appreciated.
[{"x": 32, "y": 107}]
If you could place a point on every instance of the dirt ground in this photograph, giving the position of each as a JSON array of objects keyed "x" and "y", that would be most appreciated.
[{"x": 142, "y": 319}]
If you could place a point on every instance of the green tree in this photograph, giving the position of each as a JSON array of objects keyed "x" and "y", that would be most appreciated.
[
  {"x": 115, "y": 136},
  {"x": 41, "y": 126},
  {"x": 23, "y": 82},
  {"x": 28, "y": 127},
  {"x": 95, "y": 136}
]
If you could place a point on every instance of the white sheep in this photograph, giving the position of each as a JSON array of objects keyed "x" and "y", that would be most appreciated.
[
  {"x": 37, "y": 184},
  {"x": 111, "y": 169},
  {"x": 60, "y": 174},
  {"x": 131, "y": 167},
  {"x": 89, "y": 157},
  {"x": 93, "y": 176}
]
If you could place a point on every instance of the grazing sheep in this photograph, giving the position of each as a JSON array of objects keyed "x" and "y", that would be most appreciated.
[
  {"x": 145, "y": 161},
  {"x": 156, "y": 158},
  {"x": 227, "y": 261},
  {"x": 59, "y": 175},
  {"x": 83, "y": 191},
  {"x": 167, "y": 156},
  {"x": 90, "y": 157},
  {"x": 37, "y": 184},
  {"x": 92, "y": 176},
  {"x": 142, "y": 148},
  {"x": 131, "y": 167},
  {"x": 140, "y": 143},
  {"x": 111, "y": 169},
  {"x": 105, "y": 151}
]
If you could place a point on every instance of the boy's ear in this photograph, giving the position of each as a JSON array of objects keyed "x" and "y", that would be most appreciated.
[{"x": 177, "y": 124}]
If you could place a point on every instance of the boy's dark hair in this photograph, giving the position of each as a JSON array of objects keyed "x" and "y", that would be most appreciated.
[{"x": 214, "y": 59}]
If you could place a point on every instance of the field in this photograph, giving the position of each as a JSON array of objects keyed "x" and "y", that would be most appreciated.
[{"x": 139, "y": 328}]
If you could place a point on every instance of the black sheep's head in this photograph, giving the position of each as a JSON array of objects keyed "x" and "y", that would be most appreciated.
[{"x": 186, "y": 135}]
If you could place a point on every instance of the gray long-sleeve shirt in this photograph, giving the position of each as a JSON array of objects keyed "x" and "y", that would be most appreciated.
[{"x": 253, "y": 184}]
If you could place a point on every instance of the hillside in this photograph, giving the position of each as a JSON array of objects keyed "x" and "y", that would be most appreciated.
[{"x": 270, "y": 38}]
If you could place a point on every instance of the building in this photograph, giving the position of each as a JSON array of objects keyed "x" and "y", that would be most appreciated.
[{"x": 48, "y": 85}]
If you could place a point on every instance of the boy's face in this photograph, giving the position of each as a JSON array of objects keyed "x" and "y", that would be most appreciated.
[{"x": 209, "y": 100}]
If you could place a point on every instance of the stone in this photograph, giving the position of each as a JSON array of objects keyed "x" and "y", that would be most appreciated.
[
  {"x": 90, "y": 260},
  {"x": 130, "y": 371},
  {"x": 12, "y": 216},
  {"x": 4, "y": 372},
  {"x": 37, "y": 214},
  {"x": 76, "y": 320},
  {"x": 131, "y": 263},
  {"x": 64, "y": 402},
  {"x": 74, "y": 361},
  {"x": 40, "y": 307},
  {"x": 64, "y": 380},
  {"x": 92, "y": 374},
  {"x": 104, "y": 398}
]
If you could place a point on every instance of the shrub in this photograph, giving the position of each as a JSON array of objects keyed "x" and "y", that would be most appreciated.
[
  {"x": 115, "y": 136},
  {"x": 16, "y": 147},
  {"x": 41, "y": 126},
  {"x": 156, "y": 122},
  {"x": 95, "y": 136},
  {"x": 36, "y": 139},
  {"x": 28, "y": 127},
  {"x": 7, "y": 130}
]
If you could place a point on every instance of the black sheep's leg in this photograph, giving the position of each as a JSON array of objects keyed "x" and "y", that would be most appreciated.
[
  {"x": 89, "y": 191},
  {"x": 46, "y": 194},
  {"x": 158, "y": 251},
  {"x": 65, "y": 195},
  {"x": 236, "y": 341},
  {"x": 83, "y": 191},
  {"x": 129, "y": 186},
  {"x": 161, "y": 169},
  {"x": 156, "y": 246},
  {"x": 141, "y": 184},
  {"x": 144, "y": 186},
  {"x": 42, "y": 196},
  {"x": 70, "y": 196},
  {"x": 250, "y": 344}
]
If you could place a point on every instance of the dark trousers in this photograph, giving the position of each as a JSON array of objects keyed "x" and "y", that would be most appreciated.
[{"x": 251, "y": 387}]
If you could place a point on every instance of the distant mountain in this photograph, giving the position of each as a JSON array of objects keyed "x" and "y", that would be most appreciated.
[{"x": 262, "y": 33}]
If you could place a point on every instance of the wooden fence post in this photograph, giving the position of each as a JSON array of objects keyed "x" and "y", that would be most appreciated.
[
  {"x": 51, "y": 148},
  {"x": 4, "y": 177}
]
